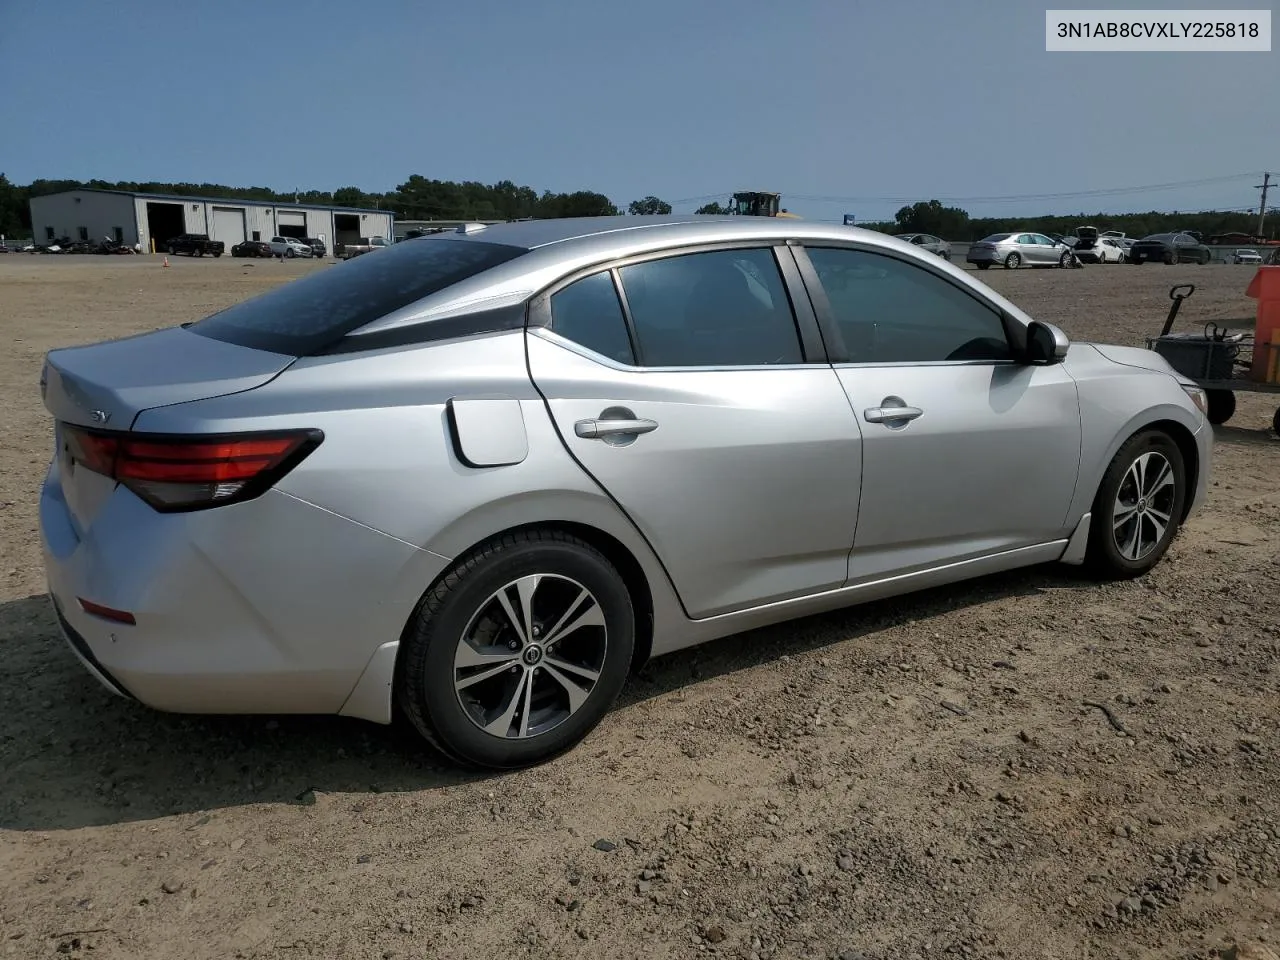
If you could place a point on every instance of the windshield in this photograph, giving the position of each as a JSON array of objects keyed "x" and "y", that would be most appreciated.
[{"x": 311, "y": 313}]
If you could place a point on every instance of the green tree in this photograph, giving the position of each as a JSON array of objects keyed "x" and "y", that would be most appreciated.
[
  {"x": 932, "y": 217},
  {"x": 713, "y": 208},
  {"x": 648, "y": 207}
]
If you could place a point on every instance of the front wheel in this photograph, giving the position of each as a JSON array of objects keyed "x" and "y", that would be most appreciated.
[
  {"x": 1064, "y": 261},
  {"x": 290, "y": 253},
  {"x": 1011, "y": 261},
  {"x": 518, "y": 652},
  {"x": 1138, "y": 507}
]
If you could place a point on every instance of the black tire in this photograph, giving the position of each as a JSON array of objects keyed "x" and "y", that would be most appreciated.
[
  {"x": 1170, "y": 259},
  {"x": 1064, "y": 261},
  {"x": 983, "y": 266},
  {"x": 1012, "y": 261},
  {"x": 173, "y": 251},
  {"x": 216, "y": 256},
  {"x": 425, "y": 677},
  {"x": 1222, "y": 405},
  {"x": 1104, "y": 557},
  {"x": 1275, "y": 422},
  {"x": 1205, "y": 258},
  {"x": 289, "y": 252}
]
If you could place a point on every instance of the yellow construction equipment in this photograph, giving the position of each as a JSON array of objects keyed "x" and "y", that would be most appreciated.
[{"x": 759, "y": 203}]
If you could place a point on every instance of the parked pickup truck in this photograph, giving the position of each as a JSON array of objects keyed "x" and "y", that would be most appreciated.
[
  {"x": 195, "y": 245},
  {"x": 346, "y": 251}
]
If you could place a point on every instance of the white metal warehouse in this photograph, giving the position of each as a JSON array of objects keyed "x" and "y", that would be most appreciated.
[{"x": 152, "y": 219}]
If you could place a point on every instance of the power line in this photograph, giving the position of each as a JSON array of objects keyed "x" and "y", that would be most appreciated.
[
  {"x": 1003, "y": 198},
  {"x": 1020, "y": 198}
]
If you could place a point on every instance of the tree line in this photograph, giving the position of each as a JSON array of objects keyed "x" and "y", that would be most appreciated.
[
  {"x": 421, "y": 198},
  {"x": 953, "y": 223}
]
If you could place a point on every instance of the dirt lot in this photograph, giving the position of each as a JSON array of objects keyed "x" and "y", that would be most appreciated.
[{"x": 794, "y": 792}]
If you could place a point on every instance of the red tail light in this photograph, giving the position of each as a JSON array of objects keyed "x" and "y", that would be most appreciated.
[{"x": 190, "y": 472}]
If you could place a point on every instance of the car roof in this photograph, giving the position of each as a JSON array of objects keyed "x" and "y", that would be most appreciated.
[{"x": 557, "y": 248}]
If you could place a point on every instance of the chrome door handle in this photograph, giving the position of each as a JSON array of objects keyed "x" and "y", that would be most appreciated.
[
  {"x": 890, "y": 414},
  {"x": 604, "y": 429}
]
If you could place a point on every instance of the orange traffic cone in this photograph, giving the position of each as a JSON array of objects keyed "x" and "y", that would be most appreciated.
[{"x": 166, "y": 261}]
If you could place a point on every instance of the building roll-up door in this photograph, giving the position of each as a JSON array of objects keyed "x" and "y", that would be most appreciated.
[
  {"x": 228, "y": 225},
  {"x": 292, "y": 223}
]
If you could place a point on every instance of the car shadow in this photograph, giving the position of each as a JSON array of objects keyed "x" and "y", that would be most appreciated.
[
  {"x": 75, "y": 755},
  {"x": 1244, "y": 436}
]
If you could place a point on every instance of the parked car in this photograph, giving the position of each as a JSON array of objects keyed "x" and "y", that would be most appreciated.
[
  {"x": 195, "y": 245},
  {"x": 1012, "y": 250},
  {"x": 252, "y": 248},
  {"x": 1092, "y": 248},
  {"x": 346, "y": 251},
  {"x": 1246, "y": 256},
  {"x": 929, "y": 242},
  {"x": 290, "y": 247},
  {"x": 438, "y": 482},
  {"x": 317, "y": 246},
  {"x": 1169, "y": 248}
]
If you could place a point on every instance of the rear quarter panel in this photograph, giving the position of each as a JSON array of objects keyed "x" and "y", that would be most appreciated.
[{"x": 390, "y": 461}]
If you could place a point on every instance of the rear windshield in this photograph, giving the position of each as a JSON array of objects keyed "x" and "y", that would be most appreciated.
[{"x": 312, "y": 313}]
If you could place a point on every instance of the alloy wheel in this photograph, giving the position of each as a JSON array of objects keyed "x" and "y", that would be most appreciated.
[
  {"x": 1143, "y": 507},
  {"x": 531, "y": 656}
]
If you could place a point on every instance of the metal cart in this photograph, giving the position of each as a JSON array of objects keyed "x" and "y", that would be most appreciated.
[{"x": 1212, "y": 358}]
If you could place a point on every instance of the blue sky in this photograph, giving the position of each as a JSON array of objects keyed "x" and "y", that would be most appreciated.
[{"x": 842, "y": 105}]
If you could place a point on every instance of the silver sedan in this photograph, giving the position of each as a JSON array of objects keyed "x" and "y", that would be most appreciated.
[
  {"x": 478, "y": 479},
  {"x": 1013, "y": 250}
]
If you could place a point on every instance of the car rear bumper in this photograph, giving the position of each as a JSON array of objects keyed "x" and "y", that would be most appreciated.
[{"x": 278, "y": 607}]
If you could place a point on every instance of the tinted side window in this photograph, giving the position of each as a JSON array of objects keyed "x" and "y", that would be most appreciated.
[
  {"x": 890, "y": 311},
  {"x": 721, "y": 308},
  {"x": 588, "y": 313}
]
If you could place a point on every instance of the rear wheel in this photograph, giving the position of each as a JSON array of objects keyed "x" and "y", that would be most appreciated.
[
  {"x": 1138, "y": 507},
  {"x": 1011, "y": 261},
  {"x": 1275, "y": 422},
  {"x": 1222, "y": 405},
  {"x": 518, "y": 652},
  {"x": 1170, "y": 258},
  {"x": 984, "y": 266}
]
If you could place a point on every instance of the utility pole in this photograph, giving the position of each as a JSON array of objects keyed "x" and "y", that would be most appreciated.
[{"x": 1262, "y": 207}]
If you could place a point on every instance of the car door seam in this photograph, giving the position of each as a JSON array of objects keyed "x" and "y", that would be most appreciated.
[{"x": 564, "y": 443}]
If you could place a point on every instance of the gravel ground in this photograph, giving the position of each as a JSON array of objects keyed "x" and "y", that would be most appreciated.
[{"x": 930, "y": 777}]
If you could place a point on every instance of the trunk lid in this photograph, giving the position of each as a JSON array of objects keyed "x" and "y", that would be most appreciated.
[{"x": 105, "y": 386}]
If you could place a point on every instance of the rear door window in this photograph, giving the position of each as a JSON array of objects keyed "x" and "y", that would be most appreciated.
[
  {"x": 723, "y": 308},
  {"x": 588, "y": 313},
  {"x": 316, "y": 311}
]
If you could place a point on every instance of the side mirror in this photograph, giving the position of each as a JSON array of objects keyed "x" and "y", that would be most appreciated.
[{"x": 1046, "y": 344}]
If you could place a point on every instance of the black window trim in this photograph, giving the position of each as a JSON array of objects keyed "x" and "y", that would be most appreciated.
[
  {"x": 1014, "y": 331},
  {"x": 812, "y": 342}
]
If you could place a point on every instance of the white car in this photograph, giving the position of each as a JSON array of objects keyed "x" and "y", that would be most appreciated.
[
  {"x": 1090, "y": 247},
  {"x": 290, "y": 247},
  {"x": 1246, "y": 256}
]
